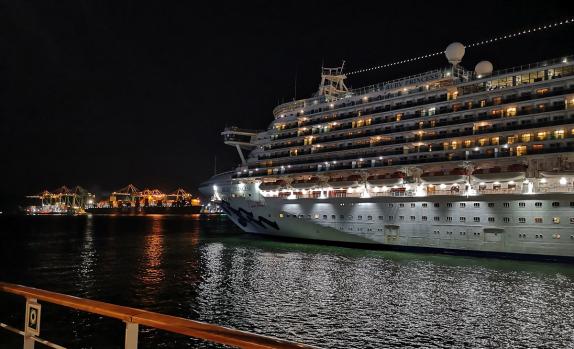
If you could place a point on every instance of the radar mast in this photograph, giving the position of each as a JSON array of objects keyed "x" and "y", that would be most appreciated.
[{"x": 332, "y": 82}]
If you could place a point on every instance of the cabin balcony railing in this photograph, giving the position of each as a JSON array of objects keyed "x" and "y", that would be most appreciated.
[
  {"x": 133, "y": 318},
  {"x": 401, "y": 128},
  {"x": 439, "y": 110},
  {"x": 454, "y": 134},
  {"x": 459, "y": 156}
]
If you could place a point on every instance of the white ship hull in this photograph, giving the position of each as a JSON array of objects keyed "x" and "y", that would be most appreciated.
[{"x": 382, "y": 221}]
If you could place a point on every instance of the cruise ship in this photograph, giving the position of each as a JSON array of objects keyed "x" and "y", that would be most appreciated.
[{"x": 450, "y": 160}]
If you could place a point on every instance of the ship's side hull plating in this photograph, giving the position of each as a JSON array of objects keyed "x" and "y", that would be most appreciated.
[{"x": 489, "y": 224}]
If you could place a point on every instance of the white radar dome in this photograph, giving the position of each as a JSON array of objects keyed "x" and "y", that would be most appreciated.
[
  {"x": 483, "y": 68},
  {"x": 454, "y": 53}
]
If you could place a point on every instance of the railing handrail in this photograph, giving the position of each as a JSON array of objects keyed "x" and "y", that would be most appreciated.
[{"x": 192, "y": 328}]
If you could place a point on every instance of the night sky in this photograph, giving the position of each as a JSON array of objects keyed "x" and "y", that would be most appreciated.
[{"x": 102, "y": 94}]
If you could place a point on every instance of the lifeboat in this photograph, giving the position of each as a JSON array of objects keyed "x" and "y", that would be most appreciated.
[
  {"x": 272, "y": 185},
  {"x": 384, "y": 180},
  {"x": 305, "y": 184},
  {"x": 341, "y": 182},
  {"x": 455, "y": 176},
  {"x": 516, "y": 172},
  {"x": 560, "y": 174},
  {"x": 517, "y": 168}
]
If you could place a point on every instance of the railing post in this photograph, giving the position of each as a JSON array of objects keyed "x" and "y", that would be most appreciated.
[
  {"x": 28, "y": 332},
  {"x": 131, "y": 335}
]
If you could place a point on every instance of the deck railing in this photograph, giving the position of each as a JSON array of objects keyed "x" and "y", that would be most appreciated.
[{"x": 132, "y": 317}]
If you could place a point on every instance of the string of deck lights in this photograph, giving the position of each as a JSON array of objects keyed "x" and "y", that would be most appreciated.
[{"x": 475, "y": 44}]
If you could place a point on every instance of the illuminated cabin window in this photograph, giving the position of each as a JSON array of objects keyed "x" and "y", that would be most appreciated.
[
  {"x": 281, "y": 215},
  {"x": 468, "y": 144},
  {"x": 398, "y": 117},
  {"x": 542, "y": 91},
  {"x": 482, "y": 103},
  {"x": 511, "y": 139},
  {"x": 526, "y": 137},
  {"x": 497, "y": 100},
  {"x": 540, "y": 136},
  {"x": 559, "y": 134},
  {"x": 556, "y": 220},
  {"x": 511, "y": 111},
  {"x": 538, "y": 220},
  {"x": 521, "y": 150},
  {"x": 537, "y": 147}
]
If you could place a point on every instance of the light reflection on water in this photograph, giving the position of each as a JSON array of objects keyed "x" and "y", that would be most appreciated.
[{"x": 328, "y": 296}]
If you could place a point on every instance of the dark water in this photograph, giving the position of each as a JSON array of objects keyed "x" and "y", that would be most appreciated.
[{"x": 327, "y": 296}]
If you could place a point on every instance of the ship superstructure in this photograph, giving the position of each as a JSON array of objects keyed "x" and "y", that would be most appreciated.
[{"x": 448, "y": 159}]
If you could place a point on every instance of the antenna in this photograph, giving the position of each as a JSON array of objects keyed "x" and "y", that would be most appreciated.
[{"x": 295, "y": 97}]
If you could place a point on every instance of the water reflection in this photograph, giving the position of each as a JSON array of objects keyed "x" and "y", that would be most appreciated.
[
  {"x": 152, "y": 273},
  {"x": 328, "y": 296},
  {"x": 88, "y": 252}
]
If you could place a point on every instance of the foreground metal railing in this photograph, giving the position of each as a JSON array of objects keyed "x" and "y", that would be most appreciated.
[{"x": 132, "y": 317}]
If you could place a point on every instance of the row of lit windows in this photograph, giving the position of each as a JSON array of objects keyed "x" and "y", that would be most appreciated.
[
  {"x": 502, "y": 82},
  {"x": 508, "y": 112},
  {"x": 522, "y": 220},
  {"x": 511, "y": 111},
  {"x": 476, "y": 204},
  {"x": 330, "y": 149}
]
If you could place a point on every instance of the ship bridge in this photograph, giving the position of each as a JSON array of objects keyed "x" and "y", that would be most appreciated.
[{"x": 240, "y": 139}]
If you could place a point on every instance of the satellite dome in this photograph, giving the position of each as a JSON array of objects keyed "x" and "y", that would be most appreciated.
[
  {"x": 454, "y": 53},
  {"x": 483, "y": 68}
]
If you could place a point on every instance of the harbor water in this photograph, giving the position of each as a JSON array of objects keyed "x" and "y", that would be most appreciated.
[{"x": 334, "y": 297}]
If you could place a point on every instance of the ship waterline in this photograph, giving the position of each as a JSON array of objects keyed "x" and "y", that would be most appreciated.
[{"x": 451, "y": 160}]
